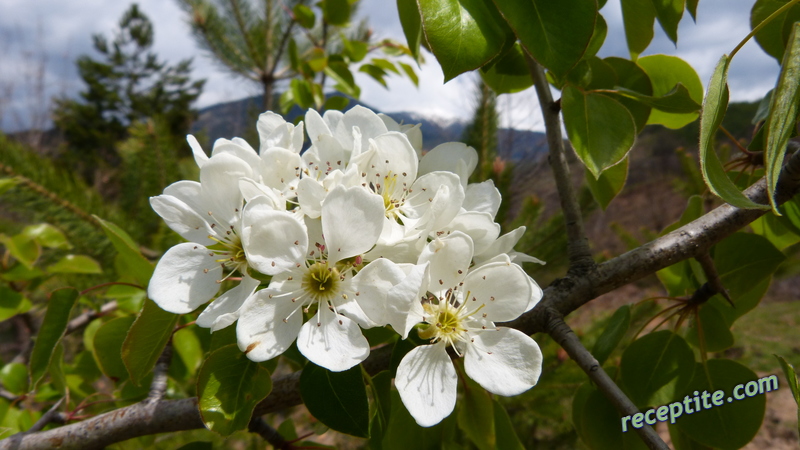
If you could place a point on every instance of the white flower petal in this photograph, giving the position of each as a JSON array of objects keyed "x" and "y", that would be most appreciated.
[
  {"x": 200, "y": 156},
  {"x": 427, "y": 383},
  {"x": 236, "y": 147},
  {"x": 251, "y": 189},
  {"x": 219, "y": 181},
  {"x": 182, "y": 219},
  {"x": 455, "y": 157},
  {"x": 261, "y": 331},
  {"x": 224, "y": 310},
  {"x": 352, "y": 220},
  {"x": 482, "y": 197},
  {"x": 310, "y": 194},
  {"x": 505, "y": 362},
  {"x": 502, "y": 287},
  {"x": 477, "y": 225},
  {"x": 316, "y": 126},
  {"x": 185, "y": 278},
  {"x": 403, "y": 308},
  {"x": 274, "y": 241},
  {"x": 372, "y": 283},
  {"x": 393, "y": 155},
  {"x": 435, "y": 199},
  {"x": 368, "y": 123},
  {"x": 332, "y": 341},
  {"x": 280, "y": 168},
  {"x": 449, "y": 258},
  {"x": 503, "y": 244}
]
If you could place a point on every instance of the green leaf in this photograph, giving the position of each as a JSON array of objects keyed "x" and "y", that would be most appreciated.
[
  {"x": 337, "y": 399},
  {"x": 146, "y": 340},
  {"x": 412, "y": 24},
  {"x": 714, "y": 107},
  {"x": 354, "y": 50},
  {"x": 409, "y": 71},
  {"x": 336, "y": 102},
  {"x": 507, "y": 438},
  {"x": 782, "y": 121},
  {"x": 188, "y": 348},
  {"x": 463, "y": 34},
  {"x": 509, "y": 74},
  {"x": 107, "y": 347},
  {"x": 612, "y": 334},
  {"x": 304, "y": 15},
  {"x": 665, "y": 72},
  {"x": 600, "y": 129},
  {"x": 47, "y": 236},
  {"x": 316, "y": 60},
  {"x": 52, "y": 330},
  {"x": 676, "y": 101},
  {"x": 12, "y": 303},
  {"x": 336, "y": 12},
  {"x": 556, "y": 34},
  {"x": 794, "y": 384},
  {"x": 403, "y": 433},
  {"x": 631, "y": 76},
  {"x": 780, "y": 231},
  {"x": 771, "y": 36},
  {"x": 229, "y": 386},
  {"x": 609, "y": 184},
  {"x": 476, "y": 416},
  {"x": 345, "y": 83},
  {"x": 129, "y": 259},
  {"x": 14, "y": 377},
  {"x": 22, "y": 248},
  {"x": 375, "y": 72},
  {"x": 691, "y": 6},
  {"x": 717, "y": 335},
  {"x": 638, "y": 17},
  {"x": 743, "y": 260},
  {"x": 735, "y": 422},
  {"x": 301, "y": 92},
  {"x": 8, "y": 183},
  {"x": 669, "y": 13},
  {"x": 598, "y": 422},
  {"x": 598, "y": 36},
  {"x": 56, "y": 369},
  {"x": 75, "y": 264},
  {"x": 656, "y": 367}
]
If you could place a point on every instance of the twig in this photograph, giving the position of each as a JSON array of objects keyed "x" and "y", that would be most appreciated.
[
  {"x": 52, "y": 415},
  {"x": 84, "y": 319},
  {"x": 146, "y": 418},
  {"x": 580, "y": 256},
  {"x": 565, "y": 337},
  {"x": 159, "y": 384},
  {"x": 713, "y": 276},
  {"x": 6, "y": 395},
  {"x": 259, "y": 426}
]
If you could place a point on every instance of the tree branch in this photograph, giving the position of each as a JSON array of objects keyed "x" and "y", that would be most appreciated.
[
  {"x": 565, "y": 337},
  {"x": 261, "y": 427},
  {"x": 580, "y": 256},
  {"x": 562, "y": 297},
  {"x": 88, "y": 316},
  {"x": 159, "y": 384}
]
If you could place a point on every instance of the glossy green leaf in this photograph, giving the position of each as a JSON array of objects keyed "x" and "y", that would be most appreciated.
[
  {"x": 12, "y": 303},
  {"x": 47, "y": 236},
  {"x": 782, "y": 121},
  {"x": 735, "y": 422},
  {"x": 130, "y": 261},
  {"x": 716, "y": 333},
  {"x": 412, "y": 24},
  {"x": 476, "y": 416},
  {"x": 409, "y": 71},
  {"x": 463, "y": 34},
  {"x": 229, "y": 386},
  {"x": 355, "y": 50},
  {"x": 345, "y": 83},
  {"x": 146, "y": 340},
  {"x": 509, "y": 73},
  {"x": 598, "y": 36},
  {"x": 301, "y": 92},
  {"x": 665, "y": 72},
  {"x": 612, "y": 334},
  {"x": 656, "y": 367},
  {"x": 602, "y": 75},
  {"x": 507, "y": 438},
  {"x": 600, "y": 129},
  {"x": 609, "y": 184},
  {"x": 22, "y": 248},
  {"x": 304, "y": 15},
  {"x": 54, "y": 325},
  {"x": 403, "y": 433},
  {"x": 777, "y": 229},
  {"x": 669, "y": 13},
  {"x": 375, "y": 72},
  {"x": 107, "y": 347},
  {"x": 676, "y": 101},
  {"x": 794, "y": 383},
  {"x": 691, "y": 6},
  {"x": 714, "y": 106},
  {"x": 556, "y": 34},
  {"x": 14, "y": 377},
  {"x": 771, "y": 36},
  {"x": 56, "y": 369},
  {"x": 638, "y": 17},
  {"x": 336, "y": 12},
  {"x": 187, "y": 347},
  {"x": 337, "y": 399},
  {"x": 630, "y": 76},
  {"x": 75, "y": 264},
  {"x": 743, "y": 260}
]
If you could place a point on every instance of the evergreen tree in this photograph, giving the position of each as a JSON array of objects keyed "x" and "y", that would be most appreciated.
[{"x": 127, "y": 84}]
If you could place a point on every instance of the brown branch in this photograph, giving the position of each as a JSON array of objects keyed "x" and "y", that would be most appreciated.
[
  {"x": 51, "y": 416},
  {"x": 259, "y": 426},
  {"x": 561, "y": 298},
  {"x": 84, "y": 319},
  {"x": 580, "y": 256}
]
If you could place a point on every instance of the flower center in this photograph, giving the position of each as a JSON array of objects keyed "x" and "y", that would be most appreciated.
[
  {"x": 321, "y": 282},
  {"x": 230, "y": 252},
  {"x": 444, "y": 323}
]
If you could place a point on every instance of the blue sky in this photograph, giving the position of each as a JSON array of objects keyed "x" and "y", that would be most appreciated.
[{"x": 60, "y": 31}]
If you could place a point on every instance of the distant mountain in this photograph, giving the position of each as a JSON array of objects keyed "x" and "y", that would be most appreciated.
[{"x": 226, "y": 120}]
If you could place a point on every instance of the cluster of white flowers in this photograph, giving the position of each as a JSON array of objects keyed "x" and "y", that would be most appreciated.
[{"x": 361, "y": 230}]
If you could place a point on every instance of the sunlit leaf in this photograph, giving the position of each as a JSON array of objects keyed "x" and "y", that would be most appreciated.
[
  {"x": 665, "y": 72},
  {"x": 146, "y": 340},
  {"x": 75, "y": 264},
  {"x": 669, "y": 13},
  {"x": 638, "y": 17},
  {"x": 107, "y": 347},
  {"x": 129, "y": 259},
  {"x": 47, "y": 236},
  {"x": 609, "y": 184}
]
